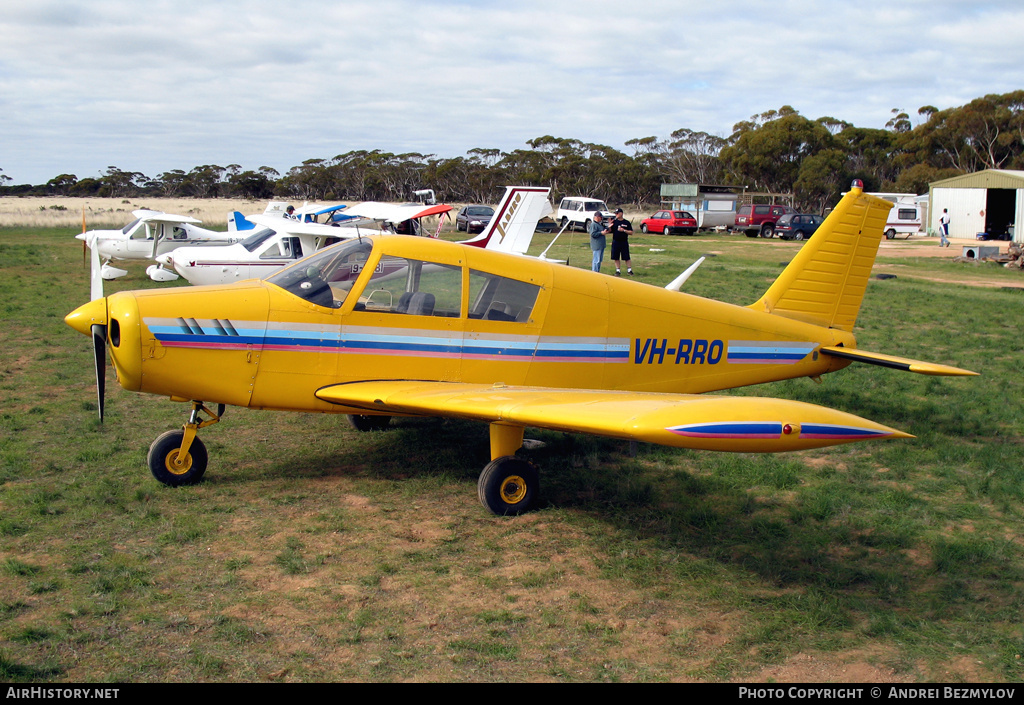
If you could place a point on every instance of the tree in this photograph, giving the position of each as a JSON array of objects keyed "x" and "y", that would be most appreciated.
[
  {"x": 62, "y": 185},
  {"x": 766, "y": 152},
  {"x": 121, "y": 184},
  {"x": 869, "y": 156},
  {"x": 254, "y": 185},
  {"x": 821, "y": 179},
  {"x": 204, "y": 181},
  {"x": 691, "y": 157}
]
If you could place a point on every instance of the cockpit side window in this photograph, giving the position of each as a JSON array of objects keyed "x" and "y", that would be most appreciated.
[
  {"x": 414, "y": 288},
  {"x": 496, "y": 298},
  {"x": 142, "y": 231},
  {"x": 326, "y": 277}
]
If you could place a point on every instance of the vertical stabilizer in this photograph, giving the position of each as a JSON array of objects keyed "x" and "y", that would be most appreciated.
[
  {"x": 238, "y": 222},
  {"x": 825, "y": 282},
  {"x": 515, "y": 220}
]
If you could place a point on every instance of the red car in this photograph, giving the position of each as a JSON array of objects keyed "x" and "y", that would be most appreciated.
[{"x": 670, "y": 222}]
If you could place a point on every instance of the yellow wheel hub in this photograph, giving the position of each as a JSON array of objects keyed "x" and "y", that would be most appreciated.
[
  {"x": 513, "y": 489},
  {"x": 174, "y": 467}
]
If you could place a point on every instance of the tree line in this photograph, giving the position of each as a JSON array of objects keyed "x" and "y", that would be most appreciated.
[{"x": 778, "y": 151}]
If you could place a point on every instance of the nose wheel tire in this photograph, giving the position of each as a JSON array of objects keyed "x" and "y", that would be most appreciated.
[
  {"x": 508, "y": 486},
  {"x": 163, "y": 457}
]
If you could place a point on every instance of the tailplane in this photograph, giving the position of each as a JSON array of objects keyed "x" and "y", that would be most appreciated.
[
  {"x": 826, "y": 281},
  {"x": 515, "y": 220}
]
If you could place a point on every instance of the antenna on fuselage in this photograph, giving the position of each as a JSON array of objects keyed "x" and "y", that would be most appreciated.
[{"x": 678, "y": 282}]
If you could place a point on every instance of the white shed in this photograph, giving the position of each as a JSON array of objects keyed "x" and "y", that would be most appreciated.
[{"x": 989, "y": 201}]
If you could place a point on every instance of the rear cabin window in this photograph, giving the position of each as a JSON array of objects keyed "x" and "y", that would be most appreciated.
[{"x": 496, "y": 298}]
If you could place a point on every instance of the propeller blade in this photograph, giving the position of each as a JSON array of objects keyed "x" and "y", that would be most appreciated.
[
  {"x": 95, "y": 275},
  {"x": 99, "y": 348}
]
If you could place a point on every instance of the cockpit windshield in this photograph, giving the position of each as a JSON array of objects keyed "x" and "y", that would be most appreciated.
[
  {"x": 128, "y": 228},
  {"x": 326, "y": 277},
  {"x": 256, "y": 239}
]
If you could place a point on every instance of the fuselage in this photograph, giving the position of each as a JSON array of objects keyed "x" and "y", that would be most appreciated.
[
  {"x": 135, "y": 241},
  {"x": 423, "y": 309},
  {"x": 262, "y": 253}
]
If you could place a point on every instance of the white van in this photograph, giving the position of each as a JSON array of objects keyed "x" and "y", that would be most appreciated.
[
  {"x": 904, "y": 219},
  {"x": 579, "y": 211}
]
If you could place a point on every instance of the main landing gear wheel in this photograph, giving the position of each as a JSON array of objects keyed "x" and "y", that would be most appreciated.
[
  {"x": 368, "y": 423},
  {"x": 508, "y": 486},
  {"x": 163, "y": 455}
]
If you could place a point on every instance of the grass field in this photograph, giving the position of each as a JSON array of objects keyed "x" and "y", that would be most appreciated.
[{"x": 315, "y": 553}]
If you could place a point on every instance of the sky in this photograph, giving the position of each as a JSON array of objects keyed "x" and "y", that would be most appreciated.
[{"x": 173, "y": 84}]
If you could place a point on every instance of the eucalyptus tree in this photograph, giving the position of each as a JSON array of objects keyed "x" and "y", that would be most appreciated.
[
  {"x": 688, "y": 157},
  {"x": 116, "y": 183},
  {"x": 255, "y": 185},
  {"x": 766, "y": 152},
  {"x": 60, "y": 185}
]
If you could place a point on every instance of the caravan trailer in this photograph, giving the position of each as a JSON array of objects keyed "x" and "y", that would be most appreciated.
[{"x": 905, "y": 217}]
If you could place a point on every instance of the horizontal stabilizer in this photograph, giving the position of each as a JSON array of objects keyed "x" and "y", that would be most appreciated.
[
  {"x": 896, "y": 363},
  {"x": 724, "y": 423}
]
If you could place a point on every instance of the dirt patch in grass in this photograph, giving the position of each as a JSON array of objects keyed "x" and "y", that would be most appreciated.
[{"x": 855, "y": 666}]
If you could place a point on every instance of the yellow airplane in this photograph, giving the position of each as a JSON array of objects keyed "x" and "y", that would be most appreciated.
[{"x": 389, "y": 325}]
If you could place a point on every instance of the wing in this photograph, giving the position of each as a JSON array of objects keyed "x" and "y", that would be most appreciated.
[
  {"x": 318, "y": 210},
  {"x": 168, "y": 218},
  {"x": 295, "y": 227},
  {"x": 726, "y": 423},
  {"x": 392, "y": 213},
  {"x": 895, "y": 363}
]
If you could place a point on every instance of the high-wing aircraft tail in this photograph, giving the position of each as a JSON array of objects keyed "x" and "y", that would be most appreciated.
[
  {"x": 515, "y": 220},
  {"x": 826, "y": 281}
]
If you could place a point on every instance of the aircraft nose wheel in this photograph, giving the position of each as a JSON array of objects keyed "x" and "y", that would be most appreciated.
[
  {"x": 508, "y": 486},
  {"x": 165, "y": 465}
]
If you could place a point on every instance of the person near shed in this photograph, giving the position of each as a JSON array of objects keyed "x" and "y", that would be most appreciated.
[
  {"x": 944, "y": 228},
  {"x": 621, "y": 229},
  {"x": 597, "y": 240}
]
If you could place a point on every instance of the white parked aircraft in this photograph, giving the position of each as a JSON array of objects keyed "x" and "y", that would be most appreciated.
[
  {"x": 307, "y": 213},
  {"x": 151, "y": 234},
  {"x": 279, "y": 242}
]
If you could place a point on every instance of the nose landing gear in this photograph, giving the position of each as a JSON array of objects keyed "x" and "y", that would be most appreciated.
[{"x": 178, "y": 457}]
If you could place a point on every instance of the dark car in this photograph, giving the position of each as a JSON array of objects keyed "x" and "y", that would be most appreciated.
[
  {"x": 759, "y": 219},
  {"x": 670, "y": 222},
  {"x": 797, "y": 226},
  {"x": 546, "y": 224},
  {"x": 473, "y": 219}
]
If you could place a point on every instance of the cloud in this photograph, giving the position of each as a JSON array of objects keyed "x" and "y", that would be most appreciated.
[{"x": 175, "y": 84}]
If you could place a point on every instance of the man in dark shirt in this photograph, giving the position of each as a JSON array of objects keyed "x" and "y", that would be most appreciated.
[{"x": 621, "y": 229}]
